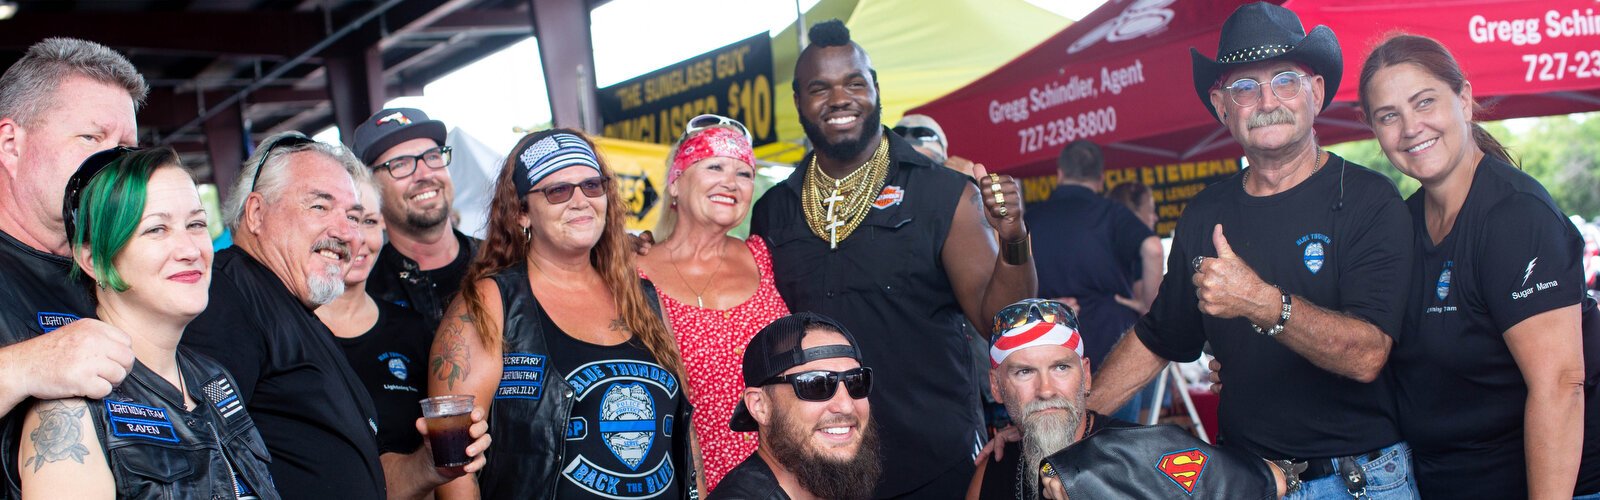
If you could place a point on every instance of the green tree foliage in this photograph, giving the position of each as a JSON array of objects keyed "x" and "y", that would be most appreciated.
[{"x": 1561, "y": 152}]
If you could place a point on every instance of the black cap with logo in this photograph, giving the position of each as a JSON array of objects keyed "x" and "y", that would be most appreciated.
[
  {"x": 776, "y": 348},
  {"x": 390, "y": 127}
]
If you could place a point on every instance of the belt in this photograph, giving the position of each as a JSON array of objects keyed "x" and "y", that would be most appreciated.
[{"x": 1318, "y": 468}]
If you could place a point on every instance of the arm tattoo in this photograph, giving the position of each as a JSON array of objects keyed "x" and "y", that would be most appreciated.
[
  {"x": 451, "y": 364},
  {"x": 60, "y": 434},
  {"x": 983, "y": 210}
]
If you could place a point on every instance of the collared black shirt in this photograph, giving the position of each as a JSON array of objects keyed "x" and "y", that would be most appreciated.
[
  {"x": 1341, "y": 239},
  {"x": 37, "y": 296},
  {"x": 886, "y": 283},
  {"x": 398, "y": 280},
  {"x": 1087, "y": 247},
  {"x": 312, "y": 410},
  {"x": 751, "y": 480}
]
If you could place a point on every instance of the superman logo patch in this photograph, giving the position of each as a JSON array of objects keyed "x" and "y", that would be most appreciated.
[{"x": 1183, "y": 467}]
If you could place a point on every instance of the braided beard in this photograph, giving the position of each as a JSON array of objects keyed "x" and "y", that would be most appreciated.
[{"x": 1046, "y": 433}]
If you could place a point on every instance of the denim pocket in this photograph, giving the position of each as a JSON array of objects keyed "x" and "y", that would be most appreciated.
[{"x": 1389, "y": 476}]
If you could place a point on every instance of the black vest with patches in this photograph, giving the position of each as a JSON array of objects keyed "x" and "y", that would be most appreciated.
[{"x": 157, "y": 450}]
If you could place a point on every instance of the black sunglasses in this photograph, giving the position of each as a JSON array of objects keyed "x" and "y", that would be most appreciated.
[
  {"x": 80, "y": 180},
  {"x": 403, "y": 166},
  {"x": 919, "y": 133},
  {"x": 285, "y": 141},
  {"x": 593, "y": 187},
  {"x": 820, "y": 385}
]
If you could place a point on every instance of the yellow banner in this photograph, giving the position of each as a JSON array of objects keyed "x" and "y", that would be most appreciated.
[
  {"x": 1172, "y": 185},
  {"x": 641, "y": 170}
]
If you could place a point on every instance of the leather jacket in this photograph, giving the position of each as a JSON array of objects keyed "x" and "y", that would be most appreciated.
[
  {"x": 157, "y": 450},
  {"x": 533, "y": 405},
  {"x": 397, "y": 279},
  {"x": 1159, "y": 461}
]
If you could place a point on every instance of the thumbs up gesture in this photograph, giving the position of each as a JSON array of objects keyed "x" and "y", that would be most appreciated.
[{"x": 1227, "y": 288}]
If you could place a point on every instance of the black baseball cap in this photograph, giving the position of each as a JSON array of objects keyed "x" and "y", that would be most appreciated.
[
  {"x": 776, "y": 348},
  {"x": 392, "y": 126}
]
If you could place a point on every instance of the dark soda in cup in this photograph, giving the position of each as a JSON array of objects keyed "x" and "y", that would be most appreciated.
[{"x": 449, "y": 420}]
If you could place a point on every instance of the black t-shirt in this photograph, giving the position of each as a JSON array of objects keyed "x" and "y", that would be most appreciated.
[
  {"x": 1348, "y": 253},
  {"x": 312, "y": 411},
  {"x": 751, "y": 480},
  {"x": 619, "y": 435},
  {"x": 392, "y": 361},
  {"x": 37, "y": 296},
  {"x": 887, "y": 283},
  {"x": 1087, "y": 247},
  {"x": 1510, "y": 255}
]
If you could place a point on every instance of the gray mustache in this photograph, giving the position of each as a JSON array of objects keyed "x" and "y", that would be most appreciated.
[
  {"x": 1275, "y": 117},
  {"x": 335, "y": 245}
]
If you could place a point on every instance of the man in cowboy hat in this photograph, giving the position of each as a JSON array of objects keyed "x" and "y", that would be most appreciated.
[{"x": 1305, "y": 303}]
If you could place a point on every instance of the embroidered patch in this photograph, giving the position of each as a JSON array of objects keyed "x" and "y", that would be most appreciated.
[
  {"x": 142, "y": 422},
  {"x": 521, "y": 376},
  {"x": 1442, "y": 288},
  {"x": 50, "y": 321},
  {"x": 890, "y": 196},
  {"x": 221, "y": 395},
  {"x": 577, "y": 428},
  {"x": 1316, "y": 250},
  {"x": 1183, "y": 467},
  {"x": 397, "y": 363}
]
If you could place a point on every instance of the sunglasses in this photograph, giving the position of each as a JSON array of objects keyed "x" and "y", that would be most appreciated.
[
  {"x": 703, "y": 122},
  {"x": 285, "y": 141},
  {"x": 1031, "y": 310},
  {"x": 820, "y": 385},
  {"x": 403, "y": 166},
  {"x": 918, "y": 133},
  {"x": 80, "y": 180},
  {"x": 593, "y": 187}
]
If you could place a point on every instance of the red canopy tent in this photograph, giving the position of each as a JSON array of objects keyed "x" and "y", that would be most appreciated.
[{"x": 1121, "y": 77}]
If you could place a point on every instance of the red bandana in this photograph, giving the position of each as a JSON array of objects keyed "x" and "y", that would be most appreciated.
[{"x": 711, "y": 142}]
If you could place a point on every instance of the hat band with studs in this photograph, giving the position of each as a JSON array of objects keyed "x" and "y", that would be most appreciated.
[{"x": 1254, "y": 54}]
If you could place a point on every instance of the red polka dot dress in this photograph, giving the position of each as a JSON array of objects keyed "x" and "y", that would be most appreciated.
[{"x": 713, "y": 342}]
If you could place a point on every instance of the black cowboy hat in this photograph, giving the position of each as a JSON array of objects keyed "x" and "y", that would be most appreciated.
[{"x": 1264, "y": 32}]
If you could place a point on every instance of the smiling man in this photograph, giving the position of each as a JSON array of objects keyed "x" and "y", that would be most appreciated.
[
  {"x": 426, "y": 257},
  {"x": 806, "y": 397},
  {"x": 874, "y": 234},
  {"x": 294, "y": 216},
  {"x": 1295, "y": 273}
]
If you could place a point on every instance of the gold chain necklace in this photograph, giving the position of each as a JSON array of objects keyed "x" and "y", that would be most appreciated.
[
  {"x": 698, "y": 301},
  {"x": 834, "y": 208}
]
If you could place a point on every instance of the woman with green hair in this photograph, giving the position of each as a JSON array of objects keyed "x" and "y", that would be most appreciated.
[{"x": 175, "y": 427}]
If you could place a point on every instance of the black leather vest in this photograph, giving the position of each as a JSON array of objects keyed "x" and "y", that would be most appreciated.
[
  {"x": 533, "y": 403},
  {"x": 397, "y": 279},
  {"x": 157, "y": 450}
]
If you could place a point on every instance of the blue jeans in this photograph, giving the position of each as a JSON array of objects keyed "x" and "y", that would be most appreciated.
[
  {"x": 1591, "y": 496},
  {"x": 1388, "y": 476}
]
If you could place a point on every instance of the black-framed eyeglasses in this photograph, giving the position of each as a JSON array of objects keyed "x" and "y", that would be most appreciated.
[
  {"x": 1246, "y": 92},
  {"x": 289, "y": 140},
  {"x": 927, "y": 134},
  {"x": 401, "y": 167},
  {"x": 703, "y": 122},
  {"x": 820, "y": 385},
  {"x": 593, "y": 187},
  {"x": 80, "y": 180},
  {"x": 1030, "y": 310}
]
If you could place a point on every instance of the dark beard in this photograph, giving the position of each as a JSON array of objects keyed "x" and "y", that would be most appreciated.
[
  {"x": 851, "y": 479},
  {"x": 425, "y": 220},
  {"x": 849, "y": 148}
]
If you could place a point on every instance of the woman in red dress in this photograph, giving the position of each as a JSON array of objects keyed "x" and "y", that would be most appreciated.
[{"x": 717, "y": 290}]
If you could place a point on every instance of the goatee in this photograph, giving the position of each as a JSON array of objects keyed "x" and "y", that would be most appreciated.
[
  {"x": 1044, "y": 434},
  {"x": 848, "y": 148},
  {"x": 826, "y": 477}
]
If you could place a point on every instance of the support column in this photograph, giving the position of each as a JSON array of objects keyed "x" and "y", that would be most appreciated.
[
  {"x": 225, "y": 143},
  {"x": 567, "y": 54},
  {"x": 355, "y": 86}
]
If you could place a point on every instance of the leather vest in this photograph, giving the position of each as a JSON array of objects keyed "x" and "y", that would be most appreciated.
[
  {"x": 157, "y": 450},
  {"x": 397, "y": 279},
  {"x": 533, "y": 404}
]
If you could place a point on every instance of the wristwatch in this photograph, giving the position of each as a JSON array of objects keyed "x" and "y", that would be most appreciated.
[
  {"x": 1283, "y": 319},
  {"x": 1291, "y": 474}
]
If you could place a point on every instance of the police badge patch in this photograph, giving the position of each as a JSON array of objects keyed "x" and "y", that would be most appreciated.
[
  {"x": 1315, "y": 250},
  {"x": 627, "y": 422},
  {"x": 1442, "y": 288},
  {"x": 397, "y": 364}
]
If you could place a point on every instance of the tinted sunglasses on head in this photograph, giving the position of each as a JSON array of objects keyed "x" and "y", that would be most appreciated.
[
  {"x": 1030, "y": 310},
  {"x": 820, "y": 385},
  {"x": 285, "y": 141},
  {"x": 918, "y": 133},
  {"x": 593, "y": 187},
  {"x": 80, "y": 180},
  {"x": 703, "y": 122}
]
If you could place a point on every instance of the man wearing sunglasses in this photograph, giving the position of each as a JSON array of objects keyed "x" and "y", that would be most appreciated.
[
  {"x": 422, "y": 264},
  {"x": 1041, "y": 374},
  {"x": 806, "y": 398},
  {"x": 1294, "y": 271},
  {"x": 63, "y": 101}
]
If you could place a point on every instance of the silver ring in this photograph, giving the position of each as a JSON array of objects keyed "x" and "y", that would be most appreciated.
[{"x": 1196, "y": 263}]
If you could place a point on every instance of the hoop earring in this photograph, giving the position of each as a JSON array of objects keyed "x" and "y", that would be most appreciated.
[{"x": 527, "y": 234}]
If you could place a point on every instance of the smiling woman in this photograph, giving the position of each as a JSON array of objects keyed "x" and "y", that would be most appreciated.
[{"x": 139, "y": 236}]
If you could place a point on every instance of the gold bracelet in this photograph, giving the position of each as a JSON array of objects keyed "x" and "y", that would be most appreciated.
[{"x": 1018, "y": 252}]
